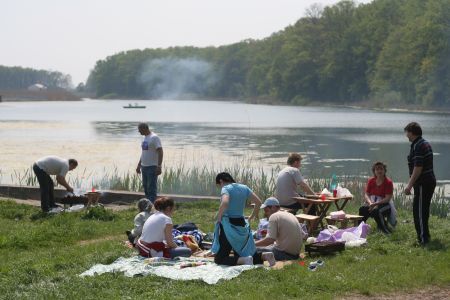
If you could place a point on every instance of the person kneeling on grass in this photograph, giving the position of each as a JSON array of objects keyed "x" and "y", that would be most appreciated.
[
  {"x": 284, "y": 236},
  {"x": 157, "y": 230},
  {"x": 232, "y": 231},
  {"x": 145, "y": 206},
  {"x": 379, "y": 190}
]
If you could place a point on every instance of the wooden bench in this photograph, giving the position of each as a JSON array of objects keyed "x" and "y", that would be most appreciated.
[
  {"x": 310, "y": 220},
  {"x": 352, "y": 219}
]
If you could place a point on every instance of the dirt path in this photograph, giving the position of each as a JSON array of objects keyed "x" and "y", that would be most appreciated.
[
  {"x": 36, "y": 203},
  {"x": 428, "y": 293}
]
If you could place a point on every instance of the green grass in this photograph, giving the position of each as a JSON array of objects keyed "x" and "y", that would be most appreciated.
[{"x": 41, "y": 257}]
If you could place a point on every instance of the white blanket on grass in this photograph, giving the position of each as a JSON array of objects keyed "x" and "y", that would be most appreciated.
[{"x": 210, "y": 273}]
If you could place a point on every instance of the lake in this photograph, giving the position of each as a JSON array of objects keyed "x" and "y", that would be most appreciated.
[{"x": 102, "y": 135}]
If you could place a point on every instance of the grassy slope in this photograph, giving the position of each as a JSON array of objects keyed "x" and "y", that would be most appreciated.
[{"x": 40, "y": 257}]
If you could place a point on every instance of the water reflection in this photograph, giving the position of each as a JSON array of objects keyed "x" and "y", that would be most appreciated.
[
  {"x": 340, "y": 148},
  {"x": 101, "y": 134}
]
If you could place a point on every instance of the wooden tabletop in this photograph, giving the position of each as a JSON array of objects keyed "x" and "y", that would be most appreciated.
[
  {"x": 328, "y": 197},
  {"x": 315, "y": 201}
]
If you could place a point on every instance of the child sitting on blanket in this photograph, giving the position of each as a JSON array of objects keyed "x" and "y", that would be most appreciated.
[{"x": 145, "y": 206}]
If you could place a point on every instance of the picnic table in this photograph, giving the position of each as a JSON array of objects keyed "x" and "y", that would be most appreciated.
[{"x": 323, "y": 205}]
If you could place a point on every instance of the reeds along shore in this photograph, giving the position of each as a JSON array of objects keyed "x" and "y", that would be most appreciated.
[{"x": 200, "y": 181}]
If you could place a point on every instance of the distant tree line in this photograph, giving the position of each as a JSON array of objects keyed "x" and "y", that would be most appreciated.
[
  {"x": 12, "y": 78},
  {"x": 388, "y": 52}
]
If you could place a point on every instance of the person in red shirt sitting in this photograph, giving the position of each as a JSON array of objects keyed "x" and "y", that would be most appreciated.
[{"x": 379, "y": 190}]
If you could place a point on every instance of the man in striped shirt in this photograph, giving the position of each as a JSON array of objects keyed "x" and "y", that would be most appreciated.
[{"x": 421, "y": 178}]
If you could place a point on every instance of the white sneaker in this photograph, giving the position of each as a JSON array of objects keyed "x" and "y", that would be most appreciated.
[
  {"x": 55, "y": 210},
  {"x": 317, "y": 263},
  {"x": 269, "y": 257},
  {"x": 245, "y": 260}
]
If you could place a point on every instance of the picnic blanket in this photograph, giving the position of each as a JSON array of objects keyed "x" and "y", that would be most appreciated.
[{"x": 210, "y": 272}]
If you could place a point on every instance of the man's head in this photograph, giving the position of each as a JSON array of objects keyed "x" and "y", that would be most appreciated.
[
  {"x": 224, "y": 178},
  {"x": 143, "y": 129},
  {"x": 413, "y": 131},
  {"x": 270, "y": 206},
  {"x": 72, "y": 164},
  {"x": 144, "y": 205},
  {"x": 294, "y": 160}
]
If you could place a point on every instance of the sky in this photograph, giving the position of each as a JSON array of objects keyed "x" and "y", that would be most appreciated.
[{"x": 71, "y": 36}]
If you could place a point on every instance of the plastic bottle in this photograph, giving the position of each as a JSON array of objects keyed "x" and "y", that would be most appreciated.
[{"x": 333, "y": 184}]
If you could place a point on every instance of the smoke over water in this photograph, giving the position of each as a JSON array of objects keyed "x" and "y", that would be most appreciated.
[{"x": 175, "y": 78}]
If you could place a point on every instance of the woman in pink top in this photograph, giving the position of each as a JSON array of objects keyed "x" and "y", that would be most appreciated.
[{"x": 379, "y": 190}]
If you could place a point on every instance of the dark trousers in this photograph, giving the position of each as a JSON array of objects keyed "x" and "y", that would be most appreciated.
[
  {"x": 378, "y": 213},
  {"x": 296, "y": 206},
  {"x": 46, "y": 187},
  {"x": 421, "y": 210},
  {"x": 223, "y": 256}
]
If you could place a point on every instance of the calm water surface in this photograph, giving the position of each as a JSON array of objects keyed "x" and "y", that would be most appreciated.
[{"x": 103, "y": 136}]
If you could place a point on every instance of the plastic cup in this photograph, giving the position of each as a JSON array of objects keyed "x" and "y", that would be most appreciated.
[
  {"x": 335, "y": 193},
  {"x": 323, "y": 197}
]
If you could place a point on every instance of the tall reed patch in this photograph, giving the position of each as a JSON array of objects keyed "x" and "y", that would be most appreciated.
[{"x": 200, "y": 180}]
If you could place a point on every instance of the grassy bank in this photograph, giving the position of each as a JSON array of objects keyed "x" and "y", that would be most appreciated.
[{"x": 41, "y": 257}]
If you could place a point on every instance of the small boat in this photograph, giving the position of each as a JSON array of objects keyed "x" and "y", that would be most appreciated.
[{"x": 134, "y": 106}]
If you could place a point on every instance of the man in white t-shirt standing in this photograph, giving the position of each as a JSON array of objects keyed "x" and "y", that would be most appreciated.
[
  {"x": 288, "y": 180},
  {"x": 52, "y": 165},
  {"x": 150, "y": 162}
]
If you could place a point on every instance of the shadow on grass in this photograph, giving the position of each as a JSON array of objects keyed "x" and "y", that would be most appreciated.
[
  {"x": 436, "y": 245},
  {"x": 40, "y": 216}
]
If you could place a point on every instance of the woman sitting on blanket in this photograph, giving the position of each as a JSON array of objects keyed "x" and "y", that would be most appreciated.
[
  {"x": 379, "y": 190},
  {"x": 232, "y": 231},
  {"x": 157, "y": 229}
]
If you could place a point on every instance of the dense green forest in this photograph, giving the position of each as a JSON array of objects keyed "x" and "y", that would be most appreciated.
[
  {"x": 13, "y": 78},
  {"x": 387, "y": 52}
]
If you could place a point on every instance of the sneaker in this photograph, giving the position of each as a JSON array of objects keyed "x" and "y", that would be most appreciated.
[
  {"x": 55, "y": 210},
  {"x": 269, "y": 257},
  {"x": 312, "y": 268},
  {"x": 317, "y": 263},
  {"x": 245, "y": 260}
]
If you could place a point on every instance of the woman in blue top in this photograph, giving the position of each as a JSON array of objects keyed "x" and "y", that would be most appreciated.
[{"x": 232, "y": 231}]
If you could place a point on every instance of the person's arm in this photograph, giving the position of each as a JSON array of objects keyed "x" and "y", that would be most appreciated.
[
  {"x": 138, "y": 168},
  {"x": 62, "y": 181},
  {"x": 367, "y": 198},
  {"x": 168, "y": 235},
  {"x": 267, "y": 241},
  {"x": 306, "y": 188},
  {"x": 223, "y": 206},
  {"x": 415, "y": 174},
  {"x": 386, "y": 199},
  {"x": 257, "y": 205},
  {"x": 160, "y": 153},
  {"x": 138, "y": 225}
]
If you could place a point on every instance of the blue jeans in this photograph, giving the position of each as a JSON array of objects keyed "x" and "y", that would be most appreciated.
[
  {"x": 180, "y": 251},
  {"x": 278, "y": 254},
  {"x": 149, "y": 181}
]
